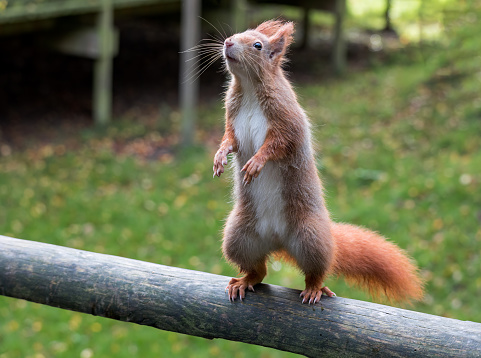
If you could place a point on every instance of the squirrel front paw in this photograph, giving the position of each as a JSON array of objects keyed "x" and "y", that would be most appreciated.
[
  {"x": 220, "y": 160},
  {"x": 253, "y": 168}
]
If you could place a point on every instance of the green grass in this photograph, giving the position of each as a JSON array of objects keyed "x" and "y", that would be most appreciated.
[{"x": 399, "y": 153}]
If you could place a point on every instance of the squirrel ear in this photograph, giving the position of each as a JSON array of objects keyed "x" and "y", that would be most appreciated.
[
  {"x": 270, "y": 27},
  {"x": 281, "y": 40}
]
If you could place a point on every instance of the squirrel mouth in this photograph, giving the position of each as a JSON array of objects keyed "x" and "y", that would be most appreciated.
[
  {"x": 228, "y": 54},
  {"x": 229, "y": 58}
]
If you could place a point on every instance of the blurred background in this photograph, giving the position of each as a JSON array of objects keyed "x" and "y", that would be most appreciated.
[{"x": 98, "y": 151}]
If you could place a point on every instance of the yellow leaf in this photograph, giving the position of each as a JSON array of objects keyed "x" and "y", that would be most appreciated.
[
  {"x": 180, "y": 201},
  {"x": 12, "y": 326}
]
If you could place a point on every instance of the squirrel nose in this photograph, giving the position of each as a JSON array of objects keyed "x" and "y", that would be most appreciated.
[{"x": 228, "y": 43}]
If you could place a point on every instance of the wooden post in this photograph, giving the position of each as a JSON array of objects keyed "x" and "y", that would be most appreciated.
[
  {"x": 339, "y": 52},
  {"x": 189, "y": 88},
  {"x": 239, "y": 15},
  {"x": 196, "y": 303},
  {"x": 387, "y": 16},
  {"x": 305, "y": 27},
  {"x": 102, "y": 93}
]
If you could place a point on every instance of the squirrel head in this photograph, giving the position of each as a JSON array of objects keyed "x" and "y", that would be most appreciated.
[{"x": 256, "y": 53}]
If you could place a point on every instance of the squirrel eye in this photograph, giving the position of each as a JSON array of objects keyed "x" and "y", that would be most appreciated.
[{"x": 258, "y": 45}]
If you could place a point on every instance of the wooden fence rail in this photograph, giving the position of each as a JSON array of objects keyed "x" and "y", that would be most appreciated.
[{"x": 195, "y": 303}]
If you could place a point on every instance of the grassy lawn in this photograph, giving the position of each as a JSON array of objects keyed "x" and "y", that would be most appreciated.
[{"x": 399, "y": 153}]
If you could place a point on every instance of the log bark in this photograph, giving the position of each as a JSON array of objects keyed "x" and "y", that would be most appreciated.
[{"x": 195, "y": 303}]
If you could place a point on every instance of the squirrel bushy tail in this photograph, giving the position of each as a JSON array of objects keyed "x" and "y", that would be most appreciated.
[{"x": 368, "y": 260}]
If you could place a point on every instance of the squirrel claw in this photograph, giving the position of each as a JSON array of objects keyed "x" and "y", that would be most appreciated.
[
  {"x": 328, "y": 292},
  {"x": 220, "y": 159},
  {"x": 313, "y": 296},
  {"x": 237, "y": 288}
]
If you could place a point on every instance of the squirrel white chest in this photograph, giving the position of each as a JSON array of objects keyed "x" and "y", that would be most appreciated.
[{"x": 250, "y": 127}]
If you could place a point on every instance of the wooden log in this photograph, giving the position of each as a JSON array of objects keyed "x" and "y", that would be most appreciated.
[
  {"x": 195, "y": 303},
  {"x": 28, "y": 10}
]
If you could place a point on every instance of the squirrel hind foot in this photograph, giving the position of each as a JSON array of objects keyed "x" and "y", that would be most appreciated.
[
  {"x": 312, "y": 296},
  {"x": 237, "y": 287}
]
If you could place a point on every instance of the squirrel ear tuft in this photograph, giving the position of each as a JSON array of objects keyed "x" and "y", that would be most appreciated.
[
  {"x": 270, "y": 27},
  {"x": 281, "y": 39}
]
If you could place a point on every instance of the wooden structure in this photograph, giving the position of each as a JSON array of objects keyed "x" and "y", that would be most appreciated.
[
  {"x": 100, "y": 42},
  {"x": 195, "y": 303}
]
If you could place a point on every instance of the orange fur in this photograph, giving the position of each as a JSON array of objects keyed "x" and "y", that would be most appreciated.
[
  {"x": 270, "y": 27},
  {"x": 279, "y": 206},
  {"x": 368, "y": 260}
]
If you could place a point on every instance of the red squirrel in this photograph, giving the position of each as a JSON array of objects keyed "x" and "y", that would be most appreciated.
[{"x": 279, "y": 206}]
